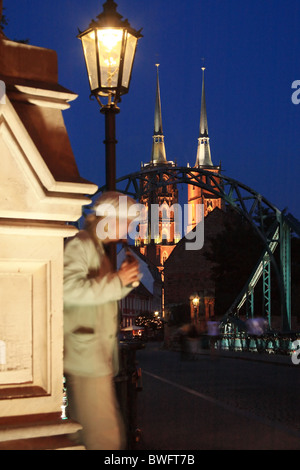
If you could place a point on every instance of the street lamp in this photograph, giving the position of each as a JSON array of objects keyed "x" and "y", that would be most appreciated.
[
  {"x": 195, "y": 301},
  {"x": 109, "y": 47}
]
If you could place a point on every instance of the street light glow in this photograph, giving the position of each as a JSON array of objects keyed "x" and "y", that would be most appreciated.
[{"x": 110, "y": 39}]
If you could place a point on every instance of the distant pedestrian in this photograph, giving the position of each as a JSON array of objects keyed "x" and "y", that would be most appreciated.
[{"x": 213, "y": 332}]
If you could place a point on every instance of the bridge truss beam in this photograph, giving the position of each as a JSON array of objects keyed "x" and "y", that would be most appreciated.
[{"x": 271, "y": 224}]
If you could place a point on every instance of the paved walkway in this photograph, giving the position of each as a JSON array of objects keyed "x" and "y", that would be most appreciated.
[{"x": 198, "y": 405}]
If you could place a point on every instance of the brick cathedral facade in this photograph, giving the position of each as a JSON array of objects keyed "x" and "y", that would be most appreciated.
[{"x": 165, "y": 248}]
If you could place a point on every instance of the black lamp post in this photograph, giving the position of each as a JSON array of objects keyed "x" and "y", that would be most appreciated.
[{"x": 109, "y": 47}]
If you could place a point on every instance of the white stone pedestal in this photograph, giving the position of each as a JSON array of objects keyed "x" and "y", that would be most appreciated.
[{"x": 40, "y": 192}]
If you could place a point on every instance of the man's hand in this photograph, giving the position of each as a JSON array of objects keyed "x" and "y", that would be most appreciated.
[{"x": 129, "y": 272}]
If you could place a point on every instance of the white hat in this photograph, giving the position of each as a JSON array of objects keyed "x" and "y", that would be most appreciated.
[{"x": 115, "y": 204}]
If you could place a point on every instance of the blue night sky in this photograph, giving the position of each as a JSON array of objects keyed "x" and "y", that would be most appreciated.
[{"x": 252, "y": 57}]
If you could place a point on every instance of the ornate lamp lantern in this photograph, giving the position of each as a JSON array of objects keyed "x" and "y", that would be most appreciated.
[{"x": 109, "y": 47}]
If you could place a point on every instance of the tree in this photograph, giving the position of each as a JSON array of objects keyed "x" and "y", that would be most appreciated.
[
  {"x": 179, "y": 315},
  {"x": 4, "y": 22},
  {"x": 233, "y": 253}
]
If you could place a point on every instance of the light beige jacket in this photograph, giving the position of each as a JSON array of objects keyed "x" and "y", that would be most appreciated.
[{"x": 91, "y": 292}]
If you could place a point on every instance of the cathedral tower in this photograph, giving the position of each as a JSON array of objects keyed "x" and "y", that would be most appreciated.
[
  {"x": 198, "y": 195},
  {"x": 203, "y": 152},
  {"x": 158, "y": 156},
  {"x": 159, "y": 247}
]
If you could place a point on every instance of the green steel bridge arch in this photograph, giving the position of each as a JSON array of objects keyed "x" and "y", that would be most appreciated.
[{"x": 254, "y": 207}]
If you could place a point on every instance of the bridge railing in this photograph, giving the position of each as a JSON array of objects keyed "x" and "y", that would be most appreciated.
[{"x": 270, "y": 342}]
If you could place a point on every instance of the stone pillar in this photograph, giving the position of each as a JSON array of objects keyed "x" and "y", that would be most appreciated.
[{"x": 41, "y": 191}]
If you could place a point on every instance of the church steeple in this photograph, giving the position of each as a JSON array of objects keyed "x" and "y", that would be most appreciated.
[
  {"x": 203, "y": 151},
  {"x": 158, "y": 147}
]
